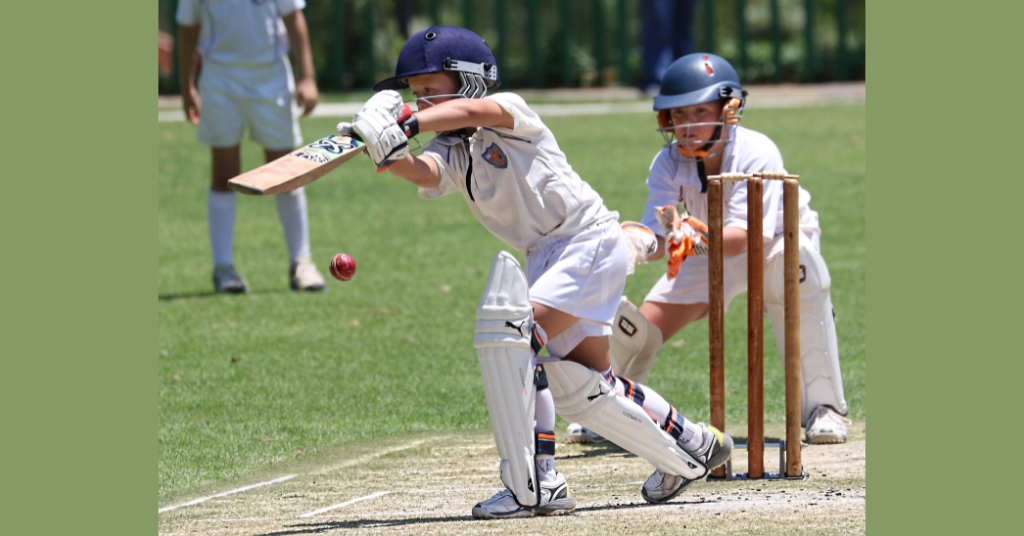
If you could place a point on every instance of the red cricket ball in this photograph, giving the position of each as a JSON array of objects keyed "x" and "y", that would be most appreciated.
[{"x": 343, "y": 267}]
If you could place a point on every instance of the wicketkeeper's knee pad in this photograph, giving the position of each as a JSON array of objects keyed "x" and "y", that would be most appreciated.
[
  {"x": 820, "y": 374},
  {"x": 582, "y": 395},
  {"x": 635, "y": 342},
  {"x": 503, "y": 334}
]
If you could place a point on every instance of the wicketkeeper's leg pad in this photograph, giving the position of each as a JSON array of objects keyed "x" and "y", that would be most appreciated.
[
  {"x": 820, "y": 375},
  {"x": 582, "y": 395},
  {"x": 503, "y": 330},
  {"x": 635, "y": 343}
]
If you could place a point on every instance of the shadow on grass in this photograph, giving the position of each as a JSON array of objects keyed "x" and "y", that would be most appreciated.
[
  {"x": 320, "y": 528},
  {"x": 212, "y": 294}
]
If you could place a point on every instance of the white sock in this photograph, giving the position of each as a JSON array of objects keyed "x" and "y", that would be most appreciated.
[
  {"x": 291, "y": 209},
  {"x": 220, "y": 215},
  {"x": 544, "y": 413},
  {"x": 546, "y": 469}
]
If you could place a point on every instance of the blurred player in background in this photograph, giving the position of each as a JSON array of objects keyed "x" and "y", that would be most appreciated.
[
  {"x": 506, "y": 164},
  {"x": 699, "y": 108},
  {"x": 241, "y": 50}
]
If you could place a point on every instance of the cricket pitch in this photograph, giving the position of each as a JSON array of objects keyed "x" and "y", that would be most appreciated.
[{"x": 427, "y": 484}]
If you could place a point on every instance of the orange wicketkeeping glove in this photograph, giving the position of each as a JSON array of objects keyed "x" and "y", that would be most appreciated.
[{"x": 684, "y": 237}]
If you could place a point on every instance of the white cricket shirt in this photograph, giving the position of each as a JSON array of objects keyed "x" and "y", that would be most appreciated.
[
  {"x": 239, "y": 32},
  {"x": 673, "y": 179},
  {"x": 521, "y": 187}
]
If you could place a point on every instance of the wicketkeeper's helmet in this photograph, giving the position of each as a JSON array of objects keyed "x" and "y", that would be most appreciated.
[
  {"x": 447, "y": 48},
  {"x": 698, "y": 79}
]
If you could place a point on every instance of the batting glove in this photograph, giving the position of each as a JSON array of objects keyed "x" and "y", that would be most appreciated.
[
  {"x": 640, "y": 242},
  {"x": 684, "y": 237},
  {"x": 388, "y": 102}
]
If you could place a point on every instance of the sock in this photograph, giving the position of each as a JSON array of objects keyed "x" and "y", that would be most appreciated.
[
  {"x": 220, "y": 215},
  {"x": 545, "y": 417},
  {"x": 291, "y": 210},
  {"x": 683, "y": 430}
]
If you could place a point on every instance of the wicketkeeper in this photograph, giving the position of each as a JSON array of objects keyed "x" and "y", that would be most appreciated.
[{"x": 699, "y": 108}]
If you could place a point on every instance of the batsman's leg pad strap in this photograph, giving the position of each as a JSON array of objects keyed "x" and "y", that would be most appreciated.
[
  {"x": 635, "y": 342},
  {"x": 546, "y": 443},
  {"x": 503, "y": 332},
  {"x": 582, "y": 395},
  {"x": 820, "y": 375}
]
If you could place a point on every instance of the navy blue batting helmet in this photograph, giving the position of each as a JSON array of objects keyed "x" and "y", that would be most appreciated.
[
  {"x": 697, "y": 79},
  {"x": 446, "y": 48}
]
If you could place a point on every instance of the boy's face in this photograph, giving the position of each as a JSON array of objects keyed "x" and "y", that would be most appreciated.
[
  {"x": 710, "y": 112},
  {"x": 430, "y": 85}
]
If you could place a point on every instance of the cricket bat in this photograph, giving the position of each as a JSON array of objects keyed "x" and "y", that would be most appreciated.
[{"x": 298, "y": 168}]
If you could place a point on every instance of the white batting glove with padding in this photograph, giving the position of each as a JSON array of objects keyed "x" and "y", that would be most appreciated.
[
  {"x": 640, "y": 243},
  {"x": 385, "y": 141},
  {"x": 388, "y": 101}
]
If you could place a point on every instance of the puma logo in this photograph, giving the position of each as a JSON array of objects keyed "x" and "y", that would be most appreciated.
[
  {"x": 518, "y": 328},
  {"x": 600, "y": 392}
]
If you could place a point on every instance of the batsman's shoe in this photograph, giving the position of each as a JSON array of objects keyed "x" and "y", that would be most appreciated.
[
  {"x": 826, "y": 426},
  {"x": 305, "y": 276},
  {"x": 554, "y": 500},
  {"x": 577, "y": 433},
  {"x": 227, "y": 281},
  {"x": 714, "y": 451}
]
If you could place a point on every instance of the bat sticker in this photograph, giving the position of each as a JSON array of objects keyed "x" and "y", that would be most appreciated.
[
  {"x": 331, "y": 145},
  {"x": 310, "y": 155}
]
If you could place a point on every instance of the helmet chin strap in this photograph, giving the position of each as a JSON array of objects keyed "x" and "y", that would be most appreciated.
[{"x": 699, "y": 156}]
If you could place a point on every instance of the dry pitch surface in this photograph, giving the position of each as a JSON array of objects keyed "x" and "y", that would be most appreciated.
[{"x": 427, "y": 484}]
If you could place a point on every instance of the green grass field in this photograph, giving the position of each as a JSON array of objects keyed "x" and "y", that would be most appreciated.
[{"x": 248, "y": 381}]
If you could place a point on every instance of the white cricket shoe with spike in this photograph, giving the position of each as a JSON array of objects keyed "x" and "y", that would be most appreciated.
[
  {"x": 554, "y": 500},
  {"x": 714, "y": 451},
  {"x": 826, "y": 426},
  {"x": 305, "y": 276}
]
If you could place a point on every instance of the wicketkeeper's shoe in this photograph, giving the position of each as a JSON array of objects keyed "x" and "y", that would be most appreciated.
[
  {"x": 227, "y": 281},
  {"x": 714, "y": 451},
  {"x": 554, "y": 500},
  {"x": 576, "y": 433},
  {"x": 304, "y": 275},
  {"x": 826, "y": 426}
]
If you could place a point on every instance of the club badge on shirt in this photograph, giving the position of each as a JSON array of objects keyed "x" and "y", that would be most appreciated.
[{"x": 495, "y": 156}]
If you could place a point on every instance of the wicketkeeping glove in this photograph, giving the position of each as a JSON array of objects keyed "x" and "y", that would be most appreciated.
[
  {"x": 640, "y": 242},
  {"x": 684, "y": 237}
]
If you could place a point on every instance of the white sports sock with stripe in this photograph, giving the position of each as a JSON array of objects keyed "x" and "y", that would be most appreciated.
[{"x": 291, "y": 210}]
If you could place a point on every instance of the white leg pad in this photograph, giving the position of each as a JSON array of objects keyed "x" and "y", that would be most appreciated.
[
  {"x": 582, "y": 395},
  {"x": 635, "y": 343},
  {"x": 821, "y": 378},
  {"x": 503, "y": 328}
]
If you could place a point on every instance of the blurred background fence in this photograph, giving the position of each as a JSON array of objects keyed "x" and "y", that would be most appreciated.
[{"x": 575, "y": 43}]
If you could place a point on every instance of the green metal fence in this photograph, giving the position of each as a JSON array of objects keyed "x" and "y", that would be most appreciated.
[{"x": 574, "y": 43}]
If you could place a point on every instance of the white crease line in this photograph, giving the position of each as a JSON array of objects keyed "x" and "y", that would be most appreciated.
[
  {"x": 365, "y": 459},
  {"x": 197, "y": 501},
  {"x": 346, "y": 503}
]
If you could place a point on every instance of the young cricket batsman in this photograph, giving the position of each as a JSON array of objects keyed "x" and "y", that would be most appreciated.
[
  {"x": 699, "y": 108},
  {"x": 246, "y": 81},
  {"x": 500, "y": 157}
]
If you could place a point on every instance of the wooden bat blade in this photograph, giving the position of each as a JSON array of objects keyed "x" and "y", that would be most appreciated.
[{"x": 297, "y": 168}]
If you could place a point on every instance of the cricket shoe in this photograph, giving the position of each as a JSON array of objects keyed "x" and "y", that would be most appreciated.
[
  {"x": 577, "y": 433},
  {"x": 227, "y": 281},
  {"x": 714, "y": 451},
  {"x": 554, "y": 500},
  {"x": 304, "y": 276},
  {"x": 826, "y": 426}
]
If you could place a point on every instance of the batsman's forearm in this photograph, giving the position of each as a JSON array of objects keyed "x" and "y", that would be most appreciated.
[
  {"x": 463, "y": 113},
  {"x": 419, "y": 170},
  {"x": 298, "y": 37}
]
